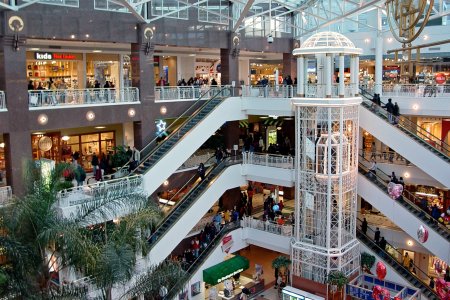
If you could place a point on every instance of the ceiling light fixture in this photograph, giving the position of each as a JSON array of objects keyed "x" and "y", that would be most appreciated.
[
  {"x": 100, "y": 127},
  {"x": 65, "y": 138}
]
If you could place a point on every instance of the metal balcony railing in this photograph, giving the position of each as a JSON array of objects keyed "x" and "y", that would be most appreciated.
[
  {"x": 268, "y": 160},
  {"x": 43, "y": 98},
  {"x": 5, "y": 194},
  {"x": 2, "y": 100},
  {"x": 186, "y": 93}
]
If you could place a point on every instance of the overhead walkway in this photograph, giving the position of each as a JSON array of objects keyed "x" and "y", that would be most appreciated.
[
  {"x": 413, "y": 274},
  {"x": 414, "y": 143},
  {"x": 403, "y": 212}
]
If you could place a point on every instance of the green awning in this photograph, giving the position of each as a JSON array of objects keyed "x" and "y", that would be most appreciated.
[{"x": 225, "y": 269}]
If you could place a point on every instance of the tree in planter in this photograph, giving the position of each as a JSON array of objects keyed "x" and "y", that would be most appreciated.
[
  {"x": 120, "y": 157},
  {"x": 281, "y": 263},
  {"x": 339, "y": 280},
  {"x": 39, "y": 241},
  {"x": 367, "y": 262}
]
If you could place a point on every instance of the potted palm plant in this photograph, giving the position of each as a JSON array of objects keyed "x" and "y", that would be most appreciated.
[
  {"x": 281, "y": 263},
  {"x": 337, "y": 280},
  {"x": 367, "y": 262}
]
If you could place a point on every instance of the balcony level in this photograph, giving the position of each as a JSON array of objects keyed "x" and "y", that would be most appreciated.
[{"x": 48, "y": 99}]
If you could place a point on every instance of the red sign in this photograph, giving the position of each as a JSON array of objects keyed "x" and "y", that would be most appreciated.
[
  {"x": 440, "y": 78},
  {"x": 65, "y": 56},
  {"x": 227, "y": 242}
]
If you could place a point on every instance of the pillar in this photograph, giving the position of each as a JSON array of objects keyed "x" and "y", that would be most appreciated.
[
  {"x": 352, "y": 73},
  {"x": 13, "y": 82},
  {"x": 341, "y": 76},
  {"x": 229, "y": 64},
  {"x": 379, "y": 55},
  {"x": 356, "y": 86},
  {"x": 328, "y": 75},
  {"x": 289, "y": 65},
  {"x": 142, "y": 77},
  {"x": 301, "y": 76}
]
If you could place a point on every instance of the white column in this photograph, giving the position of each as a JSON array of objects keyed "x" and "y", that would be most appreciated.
[
  {"x": 301, "y": 76},
  {"x": 379, "y": 55},
  {"x": 352, "y": 73},
  {"x": 121, "y": 85},
  {"x": 328, "y": 75},
  {"x": 82, "y": 84},
  {"x": 356, "y": 86},
  {"x": 341, "y": 75}
]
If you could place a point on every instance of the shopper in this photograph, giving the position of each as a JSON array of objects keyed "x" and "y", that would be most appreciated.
[
  {"x": 377, "y": 235},
  {"x": 364, "y": 226},
  {"x": 94, "y": 163},
  {"x": 396, "y": 113},
  {"x": 406, "y": 261},
  {"x": 390, "y": 109},
  {"x": 201, "y": 171}
]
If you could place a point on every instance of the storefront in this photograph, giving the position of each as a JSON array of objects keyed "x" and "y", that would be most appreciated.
[
  {"x": 226, "y": 282},
  {"x": 62, "y": 148},
  {"x": 66, "y": 70},
  {"x": 258, "y": 71}
]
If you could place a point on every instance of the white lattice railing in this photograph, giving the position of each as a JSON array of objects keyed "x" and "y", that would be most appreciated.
[
  {"x": 111, "y": 188},
  {"x": 268, "y": 160},
  {"x": 5, "y": 194},
  {"x": 280, "y": 91},
  {"x": 2, "y": 100},
  {"x": 250, "y": 222},
  {"x": 177, "y": 93},
  {"x": 413, "y": 90},
  {"x": 39, "y": 98}
]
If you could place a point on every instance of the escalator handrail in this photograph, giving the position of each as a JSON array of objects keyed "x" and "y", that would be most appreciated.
[
  {"x": 222, "y": 165},
  {"x": 202, "y": 257},
  {"x": 407, "y": 196},
  {"x": 418, "y": 270},
  {"x": 411, "y": 125},
  {"x": 192, "y": 179},
  {"x": 186, "y": 113}
]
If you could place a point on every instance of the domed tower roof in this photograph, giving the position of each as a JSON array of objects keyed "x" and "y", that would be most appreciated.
[{"x": 327, "y": 42}]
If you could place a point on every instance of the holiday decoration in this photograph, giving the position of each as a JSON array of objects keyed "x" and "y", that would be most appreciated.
[
  {"x": 379, "y": 293},
  {"x": 381, "y": 270},
  {"x": 395, "y": 190},
  {"x": 422, "y": 234},
  {"x": 443, "y": 289}
]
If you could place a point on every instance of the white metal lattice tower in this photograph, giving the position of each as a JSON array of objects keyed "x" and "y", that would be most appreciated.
[{"x": 327, "y": 126}]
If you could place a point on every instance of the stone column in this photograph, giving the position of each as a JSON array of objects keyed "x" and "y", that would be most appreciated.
[
  {"x": 142, "y": 77},
  {"x": 13, "y": 82},
  {"x": 289, "y": 65}
]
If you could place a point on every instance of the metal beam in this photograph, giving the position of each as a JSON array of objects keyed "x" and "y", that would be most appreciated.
[
  {"x": 131, "y": 9},
  {"x": 242, "y": 15}
]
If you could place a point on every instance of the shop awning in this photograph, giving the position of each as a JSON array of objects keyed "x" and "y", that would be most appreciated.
[{"x": 225, "y": 269}]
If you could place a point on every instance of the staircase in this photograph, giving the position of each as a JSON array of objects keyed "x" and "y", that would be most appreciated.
[
  {"x": 413, "y": 142},
  {"x": 415, "y": 280},
  {"x": 403, "y": 212}
]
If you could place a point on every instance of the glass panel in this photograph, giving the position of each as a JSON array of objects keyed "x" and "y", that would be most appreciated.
[
  {"x": 107, "y": 135},
  {"x": 89, "y": 138}
]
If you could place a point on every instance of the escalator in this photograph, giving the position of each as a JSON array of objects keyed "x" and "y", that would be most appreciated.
[
  {"x": 413, "y": 142},
  {"x": 194, "y": 205},
  {"x": 404, "y": 212},
  {"x": 159, "y": 159},
  {"x": 413, "y": 274},
  {"x": 204, "y": 255}
]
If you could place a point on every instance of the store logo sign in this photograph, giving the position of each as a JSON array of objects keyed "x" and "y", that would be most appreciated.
[
  {"x": 52, "y": 56},
  {"x": 227, "y": 243},
  {"x": 43, "y": 55}
]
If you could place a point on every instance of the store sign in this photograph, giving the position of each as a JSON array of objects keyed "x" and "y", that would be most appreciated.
[
  {"x": 53, "y": 56},
  {"x": 227, "y": 242},
  {"x": 440, "y": 78}
]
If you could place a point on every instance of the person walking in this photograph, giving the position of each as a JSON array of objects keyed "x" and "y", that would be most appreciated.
[
  {"x": 364, "y": 226},
  {"x": 373, "y": 168},
  {"x": 201, "y": 171},
  {"x": 136, "y": 157},
  {"x": 80, "y": 175},
  {"x": 406, "y": 261},
  {"x": 396, "y": 113},
  {"x": 94, "y": 163},
  {"x": 218, "y": 155}
]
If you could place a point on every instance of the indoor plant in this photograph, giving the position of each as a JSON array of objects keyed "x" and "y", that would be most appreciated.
[{"x": 337, "y": 279}]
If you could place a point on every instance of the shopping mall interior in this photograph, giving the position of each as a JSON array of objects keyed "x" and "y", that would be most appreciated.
[{"x": 216, "y": 149}]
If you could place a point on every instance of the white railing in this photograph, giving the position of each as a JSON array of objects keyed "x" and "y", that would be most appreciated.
[
  {"x": 319, "y": 90},
  {"x": 39, "y": 98},
  {"x": 250, "y": 222},
  {"x": 5, "y": 194},
  {"x": 192, "y": 92},
  {"x": 413, "y": 90},
  {"x": 69, "y": 3},
  {"x": 2, "y": 100},
  {"x": 280, "y": 91},
  {"x": 111, "y": 188},
  {"x": 268, "y": 160}
]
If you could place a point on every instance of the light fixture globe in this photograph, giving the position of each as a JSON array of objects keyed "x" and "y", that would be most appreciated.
[
  {"x": 90, "y": 115},
  {"x": 42, "y": 119},
  {"x": 131, "y": 112}
]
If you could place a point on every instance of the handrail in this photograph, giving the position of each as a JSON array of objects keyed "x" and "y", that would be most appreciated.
[
  {"x": 383, "y": 159},
  {"x": 201, "y": 258},
  {"x": 221, "y": 166},
  {"x": 407, "y": 196},
  {"x": 173, "y": 125},
  {"x": 189, "y": 181},
  {"x": 409, "y": 126},
  {"x": 418, "y": 270}
]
